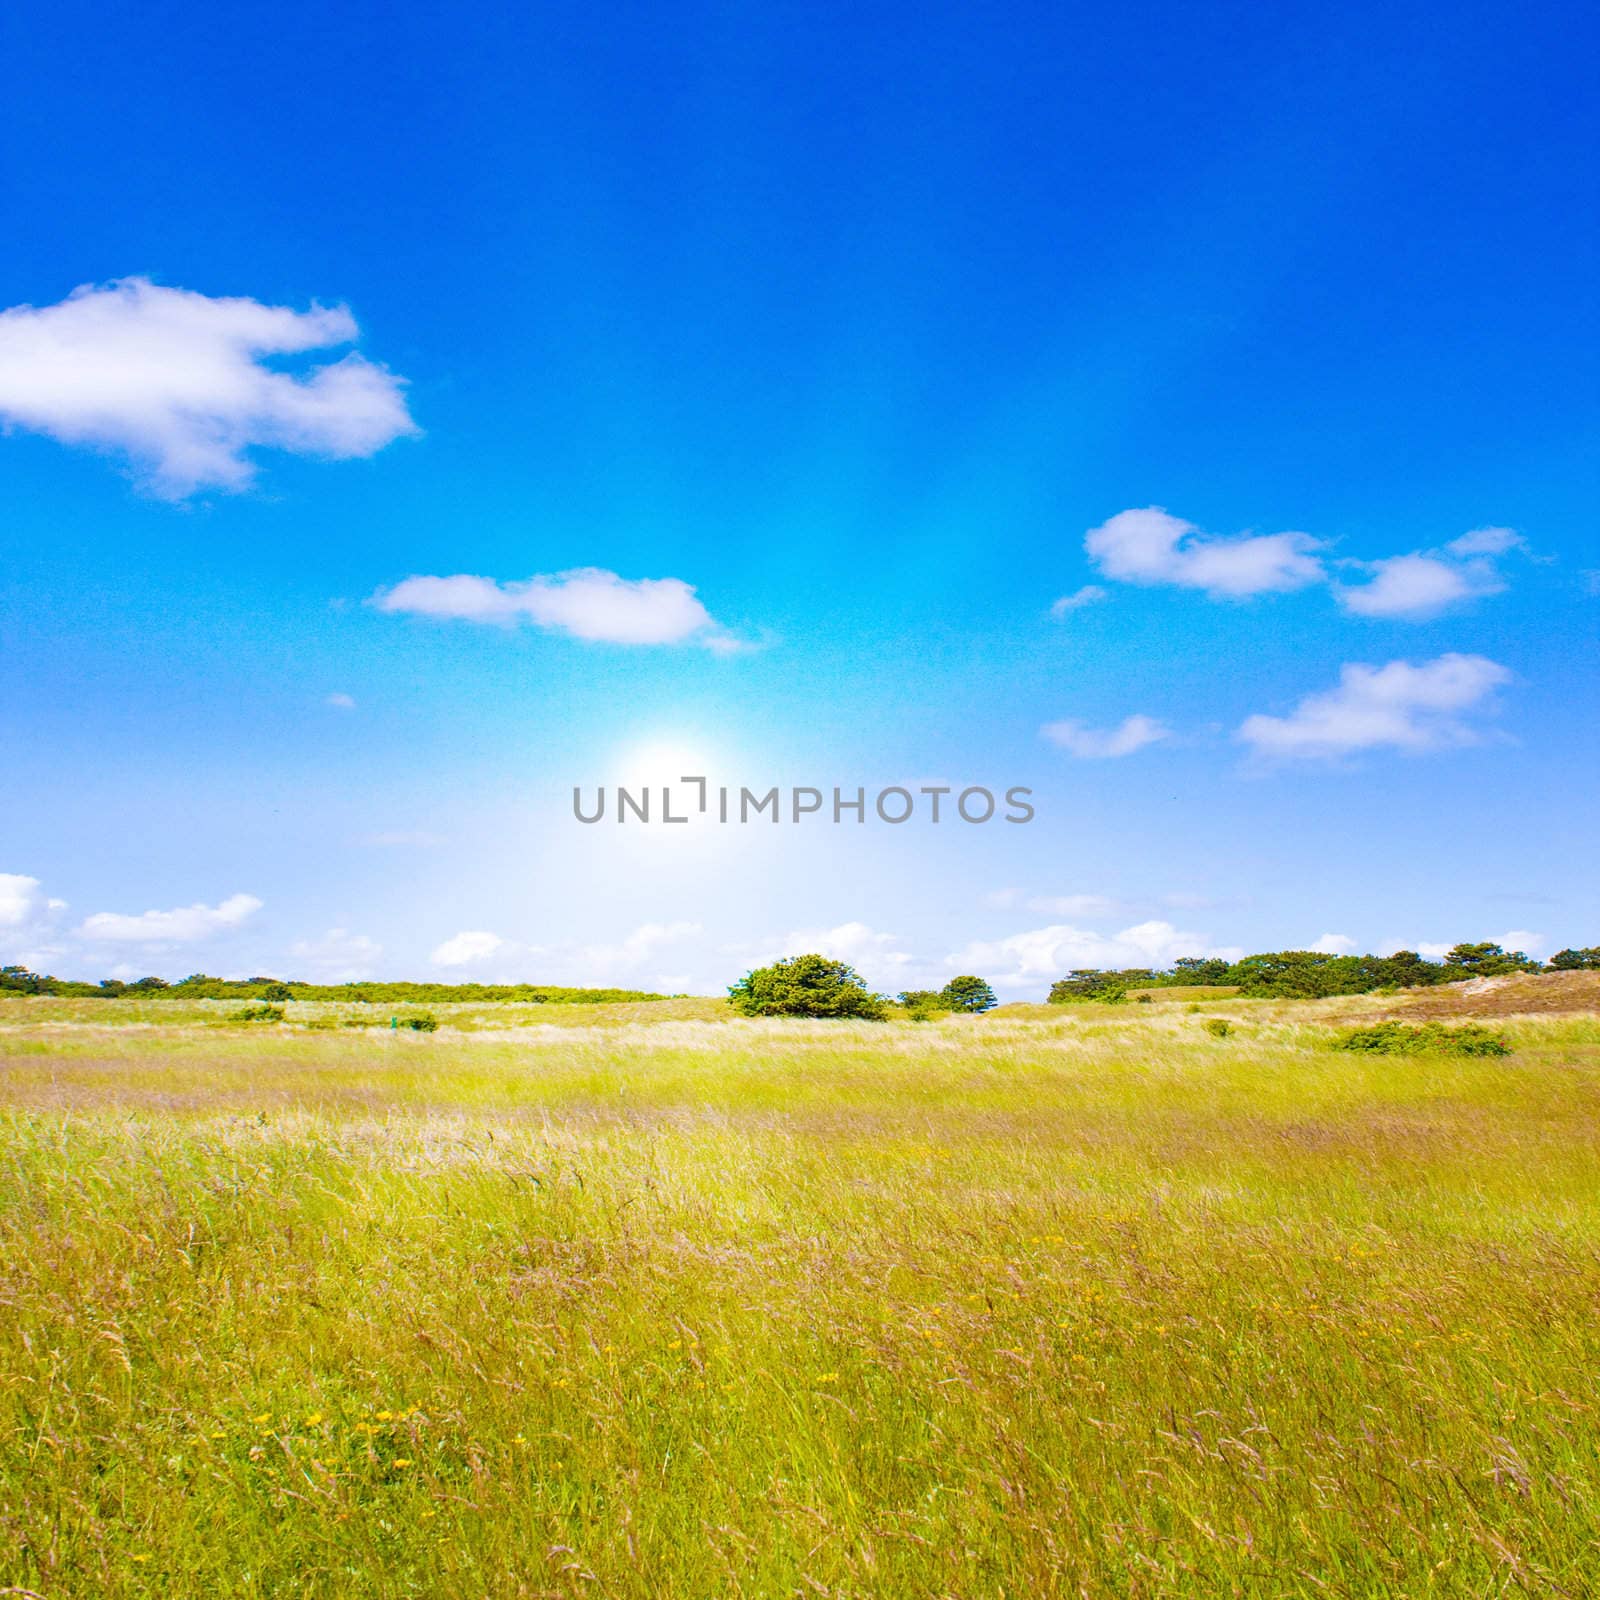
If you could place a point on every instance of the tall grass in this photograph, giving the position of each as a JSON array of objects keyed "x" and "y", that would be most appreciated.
[{"x": 1087, "y": 1305}]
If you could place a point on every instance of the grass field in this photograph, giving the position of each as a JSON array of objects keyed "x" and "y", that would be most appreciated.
[{"x": 649, "y": 1302}]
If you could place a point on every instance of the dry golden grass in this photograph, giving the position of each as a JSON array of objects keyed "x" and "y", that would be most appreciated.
[{"x": 1077, "y": 1301}]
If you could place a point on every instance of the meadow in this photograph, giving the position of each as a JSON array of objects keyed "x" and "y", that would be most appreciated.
[{"x": 654, "y": 1302}]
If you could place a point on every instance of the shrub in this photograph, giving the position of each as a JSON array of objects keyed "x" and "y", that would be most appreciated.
[
  {"x": 805, "y": 986},
  {"x": 967, "y": 994},
  {"x": 277, "y": 991},
  {"x": 1431, "y": 1038},
  {"x": 426, "y": 1023},
  {"x": 923, "y": 1005},
  {"x": 1218, "y": 1027},
  {"x": 261, "y": 1013},
  {"x": 1144, "y": 999}
]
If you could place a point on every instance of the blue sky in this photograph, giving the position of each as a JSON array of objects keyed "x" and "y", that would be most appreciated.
[{"x": 880, "y": 329}]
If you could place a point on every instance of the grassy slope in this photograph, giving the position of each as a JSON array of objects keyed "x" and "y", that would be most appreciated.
[{"x": 1028, "y": 1304}]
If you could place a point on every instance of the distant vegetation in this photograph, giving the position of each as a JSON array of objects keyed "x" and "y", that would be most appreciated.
[
  {"x": 199, "y": 986},
  {"x": 963, "y": 994},
  {"x": 798, "y": 989},
  {"x": 1312, "y": 974}
]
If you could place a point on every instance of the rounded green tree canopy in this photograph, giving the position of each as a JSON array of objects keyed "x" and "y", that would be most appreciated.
[
  {"x": 805, "y": 986},
  {"x": 967, "y": 994}
]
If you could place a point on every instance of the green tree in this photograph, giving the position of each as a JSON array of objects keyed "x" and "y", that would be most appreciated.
[
  {"x": 805, "y": 986},
  {"x": 1209, "y": 970},
  {"x": 1584, "y": 960},
  {"x": 1488, "y": 960},
  {"x": 967, "y": 994}
]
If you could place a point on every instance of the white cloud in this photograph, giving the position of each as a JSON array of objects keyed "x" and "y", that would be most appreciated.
[
  {"x": 1429, "y": 582},
  {"x": 1397, "y": 706},
  {"x": 1150, "y": 546},
  {"x": 638, "y": 948},
  {"x": 1487, "y": 542},
  {"x": 20, "y": 900},
  {"x": 341, "y": 702},
  {"x": 493, "y": 959},
  {"x": 339, "y": 956},
  {"x": 1434, "y": 952},
  {"x": 1334, "y": 944},
  {"x": 1039, "y": 956},
  {"x": 467, "y": 947},
  {"x": 175, "y": 381},
  {"x": 183, "y": 926},
  {"x": 588, "y": 603},
  {"x": 1088, "y": 595},
  {"x": 1530, "y": 944},
  {"x": 1098, "y": 744}
]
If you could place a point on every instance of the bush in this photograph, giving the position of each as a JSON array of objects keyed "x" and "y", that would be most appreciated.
[
  {"x": 1431, "y": 1038},
  {"x": 426, "y": 1023},
  {"x": 1218, "y": 1027},
  {"x": 261, "y": 1013},
  {"x": 923, "y": 1005},
  {"x": 1144, "y": 999},
  {"x": 805, "y": 986},
  {"x": 967, "y": 994}
]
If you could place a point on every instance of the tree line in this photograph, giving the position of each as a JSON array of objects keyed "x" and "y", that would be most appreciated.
[
  {"x": 201, "y": 986},
  {"x": 1314, "y": 974}
]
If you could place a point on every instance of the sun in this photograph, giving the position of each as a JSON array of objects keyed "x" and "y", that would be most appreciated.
[{"x": 667, "y": 760}]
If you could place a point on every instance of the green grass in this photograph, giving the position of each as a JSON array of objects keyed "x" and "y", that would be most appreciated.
[{"x": 1087, "y": 1304}]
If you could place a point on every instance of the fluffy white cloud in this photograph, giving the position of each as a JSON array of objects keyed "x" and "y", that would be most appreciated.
[
  {"x": 341, "y": 702},
  {"x": 469, "y": 946},
  {"x": 1428, "y": 582},
  {"x": 1398, "y": 706},
  {"x": 1039, "y": 956},
  {"x": 1088, "y": 595},
  {"x": 853, "y": 942},
  {"x": 1335, "y": 944},
  {"x": 1487, "y": 542},
  {"x": 641, "y": 946},
  {"x": 1418, "y": 586},
  {"x": 1100, "y": 744},
  {"x": 1529, "y": 943},
  {"x": 176, "y": 382},
  {"x": 588, "y": 603},
  {"x": 493, "y": 959},
  {"x": 183, "y": 926},
  {"x": 21, "y": 901},
  {"x": 339, "y": 956},
  {"x": 1150, "y": 546}
]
